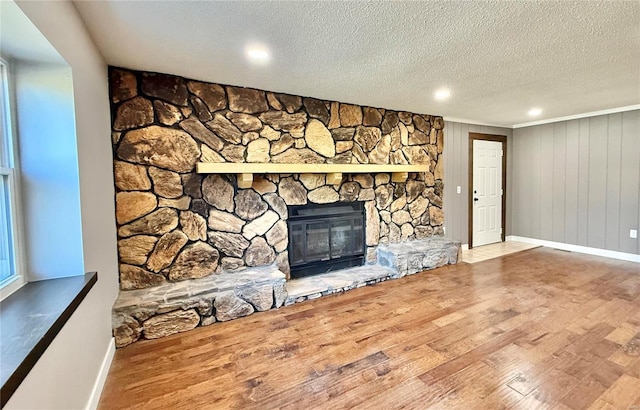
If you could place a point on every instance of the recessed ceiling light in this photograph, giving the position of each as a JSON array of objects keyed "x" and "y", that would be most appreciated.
[
  {"x": 258, "y": 54},
  {"x": 442, "y": 94},
  {"x": 534, "y": 112}
]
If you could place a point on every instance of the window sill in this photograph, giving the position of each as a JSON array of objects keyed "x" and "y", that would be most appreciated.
[{"x": 30, "y": 319}]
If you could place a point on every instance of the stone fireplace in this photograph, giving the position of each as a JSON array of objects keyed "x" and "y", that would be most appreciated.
[{"x": 177, "y": 225}]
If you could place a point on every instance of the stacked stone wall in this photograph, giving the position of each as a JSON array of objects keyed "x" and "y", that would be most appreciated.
[{"x": 175, "y": 224}]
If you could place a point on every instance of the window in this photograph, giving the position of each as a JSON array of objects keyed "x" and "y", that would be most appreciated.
[{"x": 9, "y": 271}]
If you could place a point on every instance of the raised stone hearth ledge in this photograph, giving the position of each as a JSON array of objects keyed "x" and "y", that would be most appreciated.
[
  {"x": 178, "y": 307},
  {"x": 313, "y": 287},
  {"x": 415, "y": 256}
]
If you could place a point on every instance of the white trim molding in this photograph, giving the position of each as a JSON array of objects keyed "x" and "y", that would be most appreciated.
[
  {"x": 631, "y": 257},
  {"x": 578, "y": 116},
  {"x": 10, "y": 169},
  {"x": 96, "y": 392},
  {"x": 474, "y": 122}
]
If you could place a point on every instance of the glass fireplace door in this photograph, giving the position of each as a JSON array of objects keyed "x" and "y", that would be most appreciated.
[
  {"x": 318, "y": 241},
  {"x": 323, "y": 238},
  {"x": 342, "y": 238}
]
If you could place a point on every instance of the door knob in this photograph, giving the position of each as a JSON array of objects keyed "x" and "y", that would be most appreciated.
[{"x": 475, "y": 199}]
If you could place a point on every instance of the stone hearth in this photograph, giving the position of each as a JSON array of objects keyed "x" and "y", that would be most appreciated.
[{"x": 177, "y": 307}]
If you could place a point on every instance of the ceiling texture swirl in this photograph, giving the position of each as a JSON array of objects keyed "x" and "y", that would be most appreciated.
[{"x": 498, "y": 59}]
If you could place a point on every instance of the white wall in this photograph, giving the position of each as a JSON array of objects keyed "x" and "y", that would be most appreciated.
[
  {"x": 64, "y": 376},
  {"x": 48, "y": 170}
]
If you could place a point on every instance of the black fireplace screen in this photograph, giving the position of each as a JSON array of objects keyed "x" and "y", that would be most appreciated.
[{"x": 323, "y": 238}]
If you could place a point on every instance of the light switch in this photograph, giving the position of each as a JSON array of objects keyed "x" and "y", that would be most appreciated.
[
  {"x": 458, "y": 190},
  {"x": 633, "y": 234}
]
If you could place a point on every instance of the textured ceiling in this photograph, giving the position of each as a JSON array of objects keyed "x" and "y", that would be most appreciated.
[{"x": 498, "y": 58}]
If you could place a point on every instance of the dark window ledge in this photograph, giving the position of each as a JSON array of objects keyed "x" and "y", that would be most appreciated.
[{"x": 30, "y": 319}]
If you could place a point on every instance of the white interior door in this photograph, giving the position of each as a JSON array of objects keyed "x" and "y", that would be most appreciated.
[{"x": 487, "y": 192}]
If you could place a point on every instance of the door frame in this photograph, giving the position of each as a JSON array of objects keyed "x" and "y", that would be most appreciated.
[{"x": 488, "y": 137}]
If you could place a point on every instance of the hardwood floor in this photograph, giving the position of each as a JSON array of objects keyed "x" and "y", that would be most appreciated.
[{"x": 537, "y": 329}]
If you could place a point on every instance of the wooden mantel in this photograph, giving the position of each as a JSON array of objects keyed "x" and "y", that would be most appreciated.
[{"x": 245, "y": 171}]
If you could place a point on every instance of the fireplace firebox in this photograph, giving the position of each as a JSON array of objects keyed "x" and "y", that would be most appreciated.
[{"x": 325, "y": 237}]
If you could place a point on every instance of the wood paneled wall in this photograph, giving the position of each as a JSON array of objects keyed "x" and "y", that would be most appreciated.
[{"x": 577, "y": 182}]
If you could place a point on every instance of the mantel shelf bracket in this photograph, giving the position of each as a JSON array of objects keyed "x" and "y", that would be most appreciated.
[{"x": 245, "y": 180}]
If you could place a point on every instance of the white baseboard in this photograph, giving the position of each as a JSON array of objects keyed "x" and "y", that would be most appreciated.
[
  {"x": 96, "y": 392},
  {"x": 631, "y": 257},
  {"x": 465, "y": 246}
]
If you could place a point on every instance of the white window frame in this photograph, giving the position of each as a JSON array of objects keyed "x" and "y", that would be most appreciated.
[{"x": 9, "y": 167}]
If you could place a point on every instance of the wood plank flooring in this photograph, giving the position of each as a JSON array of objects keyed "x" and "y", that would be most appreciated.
[{"x": 537, "y": 329}]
